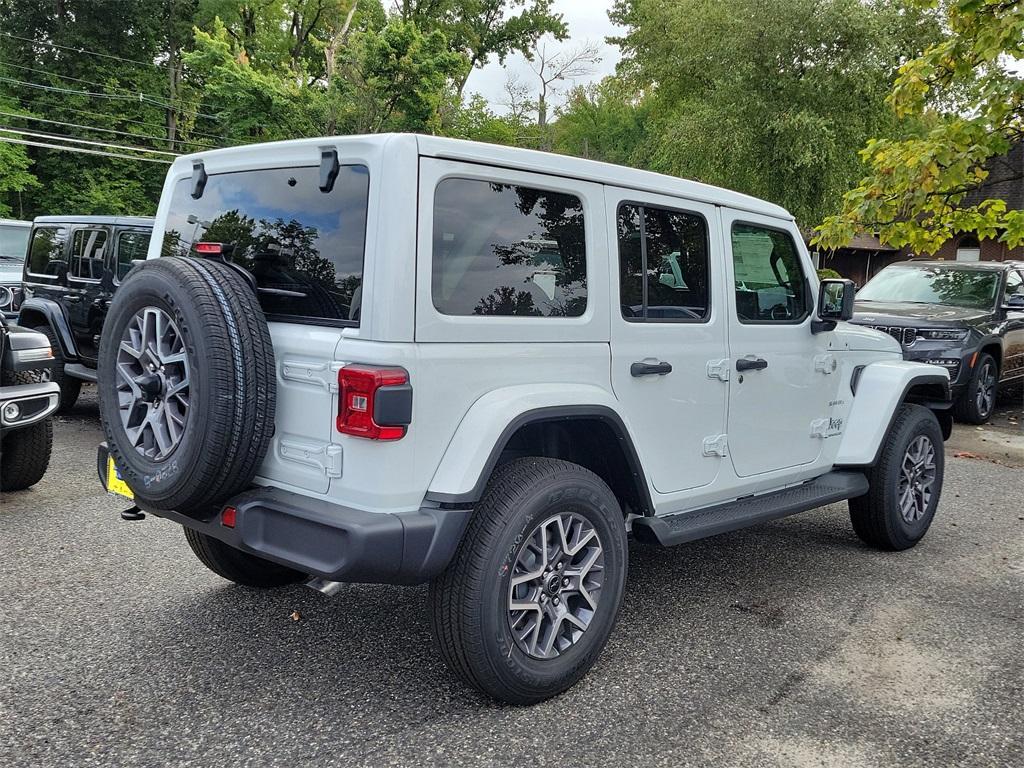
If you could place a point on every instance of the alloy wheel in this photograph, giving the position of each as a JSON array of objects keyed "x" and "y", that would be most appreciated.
[
  {"x": 555, "y": 585},
  {"x": 986, "y": 394},
  {"x": 917, "y": 478},
  {"x": 153, "y": 384}
]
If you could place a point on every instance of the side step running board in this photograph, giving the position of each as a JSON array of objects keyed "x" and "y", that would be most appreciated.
[{"x": 751, "y": 510}]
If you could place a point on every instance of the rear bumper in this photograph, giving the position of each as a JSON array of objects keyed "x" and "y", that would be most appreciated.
[{"x": 329, "y": 540}]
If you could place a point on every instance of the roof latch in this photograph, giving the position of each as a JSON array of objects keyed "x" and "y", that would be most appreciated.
[
  {"x": 329, "y": 168},
  {"x": 198, "y": 179}
]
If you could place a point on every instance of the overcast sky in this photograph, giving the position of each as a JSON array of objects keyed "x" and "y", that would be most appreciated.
[{"x": 587, "y": 21}]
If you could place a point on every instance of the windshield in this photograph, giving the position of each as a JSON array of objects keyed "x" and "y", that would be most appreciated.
[
  {"x": 13, "y": 242},
  {"x": 969, "y": 288}
]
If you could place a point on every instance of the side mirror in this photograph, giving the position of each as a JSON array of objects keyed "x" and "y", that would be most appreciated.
[
  {"x": 835, "y": 299},
  {"x": 1014, "y": 303}
]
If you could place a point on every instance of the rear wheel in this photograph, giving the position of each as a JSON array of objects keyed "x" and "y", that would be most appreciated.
[
  {"x": 976, "y": 404},
  {"x": 905, "y": 484},
  {"x": 70, "y": 387},
  {"x": 533, "y": 591},
  {"x": 237, "y": 566}
]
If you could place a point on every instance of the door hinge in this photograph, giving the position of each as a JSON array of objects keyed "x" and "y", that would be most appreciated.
[
  {"x": 716, "y": 445},
  {"x": 317, "y": 373},
  {"x": 825, "y": 364},
  {"x": 718, "y": 369},
  {"x": 325, "y": 458}
]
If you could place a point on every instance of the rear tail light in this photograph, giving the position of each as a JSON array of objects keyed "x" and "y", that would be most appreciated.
[
  {"x": 210, "y": 249},
  {"x": 373, "y": 402}
]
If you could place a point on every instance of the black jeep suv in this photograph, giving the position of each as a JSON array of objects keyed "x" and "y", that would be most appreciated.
[
  {"x": 74, "y": 265},
  {"x": 966, "y": 317}
]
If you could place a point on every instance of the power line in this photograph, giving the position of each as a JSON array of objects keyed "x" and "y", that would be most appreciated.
[
  {"x": 83, "y": 50},
  {"x": 9, "y": 140},
  {"x": 86, "y": 141},
  {"x": 129, "y": 91},
  {"x": 140, "y": 97},
  {"x": 120, "y": 119},
  {"x": 29, "y": 118}
]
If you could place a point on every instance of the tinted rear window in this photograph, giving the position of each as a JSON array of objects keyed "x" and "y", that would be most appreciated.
[{"x": 276, "y": 223}]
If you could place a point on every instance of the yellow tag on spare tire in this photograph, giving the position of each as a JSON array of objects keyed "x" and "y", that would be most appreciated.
[{"x": 114, "y": 482}]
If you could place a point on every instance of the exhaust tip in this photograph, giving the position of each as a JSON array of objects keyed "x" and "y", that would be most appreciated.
[{"x": 329, "y": 588}]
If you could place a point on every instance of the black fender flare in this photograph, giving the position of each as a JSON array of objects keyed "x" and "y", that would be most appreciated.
[
  {"x": 37, "y": 310},
  {"x": 555, "y": 414}
]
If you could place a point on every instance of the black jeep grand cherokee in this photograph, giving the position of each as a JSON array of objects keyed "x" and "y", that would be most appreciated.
[{"x": 966, "y": 317}]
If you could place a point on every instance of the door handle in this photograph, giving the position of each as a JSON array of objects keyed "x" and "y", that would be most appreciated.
[
  {"x": 751, "y": 364},
  {"x": 72, "y": 299},
  {"x": 650, "y": 369}
]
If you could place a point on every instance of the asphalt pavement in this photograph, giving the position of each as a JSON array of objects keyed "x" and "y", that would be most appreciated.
[{"x": 788, "y": 644}]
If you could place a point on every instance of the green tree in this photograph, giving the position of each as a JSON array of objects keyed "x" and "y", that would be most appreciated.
[
  {"x": 963, "y": 102},
  {"x": 769, "y": 97},
  {"x": 480, "y": 29}
]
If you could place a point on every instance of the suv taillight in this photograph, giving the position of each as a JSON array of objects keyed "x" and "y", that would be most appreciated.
[{"x": 373, "y": 402}]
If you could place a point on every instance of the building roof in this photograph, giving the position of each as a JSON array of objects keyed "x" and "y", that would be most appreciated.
[{"x": 1005, "y": 180}]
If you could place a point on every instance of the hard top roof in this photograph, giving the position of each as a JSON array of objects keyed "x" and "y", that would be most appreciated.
[
  {"x": 124, "y": 221},
  {"x": 521, "y": 159}
]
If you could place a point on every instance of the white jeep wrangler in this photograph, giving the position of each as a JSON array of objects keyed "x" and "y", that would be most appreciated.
[{"x": 402, "y": 359}]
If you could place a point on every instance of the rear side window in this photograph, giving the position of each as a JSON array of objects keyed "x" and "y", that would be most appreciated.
[
  {"x": 87, "y": 249},
  {"x": 507, "y": 250},
  {"x": 304, "y": 244},
  {"x": 46, "y": 253},
  {"x": 663, "y": 265},
  {"x": 130, "y": 246}
]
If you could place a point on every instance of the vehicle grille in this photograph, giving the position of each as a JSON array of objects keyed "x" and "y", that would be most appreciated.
[{"x": 904, "y": 336}]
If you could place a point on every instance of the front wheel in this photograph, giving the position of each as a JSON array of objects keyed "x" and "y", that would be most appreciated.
[
  {"x": 533, "y": 591},
  {"x": 976, "y": 404},
  {"x": 70, "y": 387},
  {"x": 905, "y": 484}
]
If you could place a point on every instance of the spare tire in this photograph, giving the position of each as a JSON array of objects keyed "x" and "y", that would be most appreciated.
[{"x": 187, "y": 383}]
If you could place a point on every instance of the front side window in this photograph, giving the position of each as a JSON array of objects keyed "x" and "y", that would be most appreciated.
[
  {"x": 46, "y": 253},
  {"x": 305, "y": 245},
  {"x": 87, "y": 249},
  {"x": 130, "y": 247},
  {"x": 1014, "y": 286},
  {"x": 663, "y": 264},
  {"x": 507, "y": 250},
  {"x": 769, "y": 280}
]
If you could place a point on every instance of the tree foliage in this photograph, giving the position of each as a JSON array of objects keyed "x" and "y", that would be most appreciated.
[
  {"x": 963, "y": 105},
  {"x": 769, "y": 97},
  {"x": 141, "y": 77}
]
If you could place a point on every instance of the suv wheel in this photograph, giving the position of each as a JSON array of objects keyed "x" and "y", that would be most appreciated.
[
  {"x": 25, "y": 455},
  {"x": 533, "y": 591},
  {"x": 976, "y": 404},
  {"x": 905, "y": 484},
  {"x": 70, "y": 387},
  {"x": 236, "y": 565}
]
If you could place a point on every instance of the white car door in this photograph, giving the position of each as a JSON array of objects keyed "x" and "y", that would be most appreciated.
[
  {"x": 669, "y": 334},
  {"x": 783, "y": 375}
]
